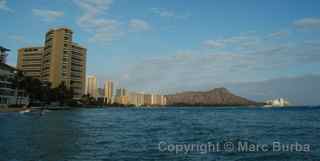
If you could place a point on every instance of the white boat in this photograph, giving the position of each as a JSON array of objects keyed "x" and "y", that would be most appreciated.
[{"x": 25, "y": 111}]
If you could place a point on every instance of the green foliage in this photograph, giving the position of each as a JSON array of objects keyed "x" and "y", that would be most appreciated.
[
  {"x": 88, "y": 100},
  {"x": 42, "y": 91}
]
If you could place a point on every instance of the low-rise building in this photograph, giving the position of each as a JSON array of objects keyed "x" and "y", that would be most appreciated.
[
  {"x": 280, "y": 102},
  {"x": 7, "y": 92}
]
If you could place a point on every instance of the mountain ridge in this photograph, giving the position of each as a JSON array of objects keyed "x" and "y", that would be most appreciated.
[{"x": 214, "y": 97}]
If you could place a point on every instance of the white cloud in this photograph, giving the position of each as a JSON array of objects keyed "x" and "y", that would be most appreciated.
[
  {"x": 47, "y": 15},
  {"x": 235, "y": 41},
  {"x": 279, "y": 34},
  {"x": 213, "y": 44},
  {"x": 196, "y": 70},
  {"x": 104, "y": 30},
  {"x": 138, "y": 25},
  {"x": 91, "y": 10},
  {"x": 201, "y": 68},
  {"x": 4, "y": 6},
  {"x": 162, "y": 12},
  {"x": 22, "y": 40},
  {"x": 307, "y": 23},
  {"x": 17, "y": 38}
]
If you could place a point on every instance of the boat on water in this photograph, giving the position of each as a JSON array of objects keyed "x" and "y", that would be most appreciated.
[
  {"x": 35, "y": 110},
  {"x": 58, "y": 108},
  {"x": 25, "y": 111}
]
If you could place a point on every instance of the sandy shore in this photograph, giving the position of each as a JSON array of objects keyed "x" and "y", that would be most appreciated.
[{"x": 13, "y": 109}]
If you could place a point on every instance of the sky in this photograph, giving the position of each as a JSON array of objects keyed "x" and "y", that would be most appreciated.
[{"x": 173, "y": 45}]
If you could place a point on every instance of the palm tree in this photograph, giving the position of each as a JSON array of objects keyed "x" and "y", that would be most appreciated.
[{"x": 18, "y": 83}]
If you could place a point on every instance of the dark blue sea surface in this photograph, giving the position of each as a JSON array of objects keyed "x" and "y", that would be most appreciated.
[{"x": 126, "y": 134}]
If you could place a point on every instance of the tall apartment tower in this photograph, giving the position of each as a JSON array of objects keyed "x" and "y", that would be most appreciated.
[
  {"x": 122, "y": 96},
  {"x": 121, "y": 92},
  {"x": 91, "y": 87},
  {"x": 60, "y": 60},
  {"x": 108, "y": 90}
]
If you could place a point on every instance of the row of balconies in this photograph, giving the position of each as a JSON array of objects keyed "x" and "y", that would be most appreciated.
[
  {"x": 27, "y": 50},
  {"x": 26, "y": 64},
  {"x": 32, "y": 58}
]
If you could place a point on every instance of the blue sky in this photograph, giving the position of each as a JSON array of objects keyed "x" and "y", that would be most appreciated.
[{"x": 173, "y": 45}]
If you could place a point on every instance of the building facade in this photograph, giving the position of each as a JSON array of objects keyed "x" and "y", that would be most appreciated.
[
  {"x": 156, "y": 99},
  {"x": 280, "y": 102},
  {"x": 7, "y": 92},
  {"x": 121, "y": 96},
  {"x": 60, "y": 60},
  {"x": 147, "y": 99},
  {"x": 91, "y": 87},
  {"x": 30, "y": 60},
  {"x": 136, "y": 99},
  {"x": 78, "y": 69},
  {"x": 141, "y": 99},
  {"x": 108, "y": 91}
]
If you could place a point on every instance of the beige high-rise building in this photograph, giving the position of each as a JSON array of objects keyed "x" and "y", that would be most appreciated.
[
  {"x": 78, "y": 68},
  {"x": 61, "y": 60},
  {"x": 147, "y": 99},
  {"x": 136, "y": 99},
  {"x": 29, "y": 61},
  {"x": 108, "y": 91},
  {"x": 158, "y": 100},
  {"x": 121, "y": 96},
  {"x": 91, "y": 87}
]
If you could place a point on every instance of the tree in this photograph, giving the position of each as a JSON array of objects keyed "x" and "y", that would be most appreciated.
[
  {"x": 88, "y": 100},
  {"x": 61, "y": 94},
  {"x": 42, "y": 91}
]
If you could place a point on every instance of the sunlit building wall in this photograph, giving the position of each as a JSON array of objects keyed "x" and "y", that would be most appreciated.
[
  {"x": 108, "y": 91},
  {"x": 147, "y": 99},
  {"x": 91, "y": 87},
  {"x": 121, "y": 96},
  {"x": 136, "y": 99},
  {"x": 30, "y": 60},
  {"x": 60, "y": 60}
]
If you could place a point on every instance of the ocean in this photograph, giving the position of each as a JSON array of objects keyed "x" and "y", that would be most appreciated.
[{"x": 172, "y": 134}]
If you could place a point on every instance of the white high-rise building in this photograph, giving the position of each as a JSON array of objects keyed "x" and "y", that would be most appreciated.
[
  {"x": 91, "y": 86},
  {"x": 108, "y": 91},
  {"x": 136, "y": 99},
  {"x": 121, "y": 96}
]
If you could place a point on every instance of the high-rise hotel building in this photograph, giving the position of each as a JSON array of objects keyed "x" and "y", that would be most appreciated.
[
  {"x": 121, "y": 96},
  {"x": 108, "y": 91},
  {"x": 91, "y": 87},
  {"x": 60, "y": 60}
]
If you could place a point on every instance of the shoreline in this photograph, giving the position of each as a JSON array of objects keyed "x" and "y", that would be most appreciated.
[
  {"x": 19, "y": 109},
  {"x": 12, "y": 109}
]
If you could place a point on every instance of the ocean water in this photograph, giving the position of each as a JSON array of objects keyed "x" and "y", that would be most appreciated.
[{"x": 173, "y": 134}]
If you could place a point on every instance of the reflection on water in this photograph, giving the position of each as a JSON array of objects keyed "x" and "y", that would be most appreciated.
[{"x": 134, "y": 134}]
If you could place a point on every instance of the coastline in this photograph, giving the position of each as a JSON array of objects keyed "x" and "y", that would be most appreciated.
[
  {"x": 12, "y": 109},
  {"x": 58, "y": 108}
]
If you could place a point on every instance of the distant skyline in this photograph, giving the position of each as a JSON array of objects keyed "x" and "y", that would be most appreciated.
[{"x": 173, "y": 45}]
